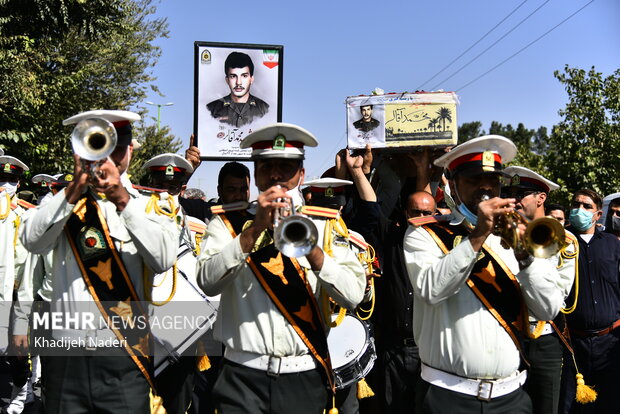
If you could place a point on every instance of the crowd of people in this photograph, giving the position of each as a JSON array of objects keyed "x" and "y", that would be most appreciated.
[{"x": 428, "y": 280}]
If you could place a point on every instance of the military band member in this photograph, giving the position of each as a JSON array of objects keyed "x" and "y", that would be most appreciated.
[
  {"x": 239, "y": 108},
  {"x": 170, "y": 172},
  {"x": 544, "y": 350},
  {"x": 473, "y": 296},
  {"x": 328, "y": 199},
  {"x": 276, "y": 356},
  {"x": 104, "y": 245},
  {"x": 12, "y": 264}
]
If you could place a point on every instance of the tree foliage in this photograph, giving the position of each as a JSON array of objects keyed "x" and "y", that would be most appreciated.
[
  {"x": 62, "y": 57},
  {"x": 153, "y": 142},
  {"x": 584, "y": 148}
]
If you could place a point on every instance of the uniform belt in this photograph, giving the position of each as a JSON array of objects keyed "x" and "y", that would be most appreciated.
[
  {"x": 273, "y": 365},
  {"x": 548, "y": 329},
  {"x": 483, "y": 389},
  {"x": 595, "y": 332},
  {"x": 88, "y": 337}
]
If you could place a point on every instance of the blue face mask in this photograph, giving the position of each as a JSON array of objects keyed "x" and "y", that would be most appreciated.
[
  {"x": 580, "y": 219},
  {"x": 471, "y": 217}
]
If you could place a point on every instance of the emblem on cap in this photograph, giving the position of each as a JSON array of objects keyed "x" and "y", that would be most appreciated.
[
  {"x": 279, "y": 142},
  {"x": 7, "y": 167},
  {"x": 170, "y": 170},
  {"x": 515, "y": 180},
  {"x": 69, "y": 177},
  {"x": 329, "y": 192},
  {"x": 488, "y": 161}
]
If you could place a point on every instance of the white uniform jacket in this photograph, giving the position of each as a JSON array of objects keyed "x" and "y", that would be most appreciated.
[
  {"x": 140, "y": 238},
  {"x": 453, "y": 329},
  {"x": 247, "y": 319}
]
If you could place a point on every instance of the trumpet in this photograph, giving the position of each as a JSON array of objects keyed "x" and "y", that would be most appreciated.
[
  {"x": 543, "y": 237},
  {"x": 93, "y": 139},
  {"x": 294, "y": 235}
]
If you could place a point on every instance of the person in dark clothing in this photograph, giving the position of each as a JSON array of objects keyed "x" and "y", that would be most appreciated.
[
  {"x": 593, "y": 325},
  {"x": 396, "y": 374},
  {"x": 366, "y": 123},
  {"x": 233, "y": 185}
]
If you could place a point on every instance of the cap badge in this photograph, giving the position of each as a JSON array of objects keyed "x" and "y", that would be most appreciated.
[
  {"x": 170, "y": 170},
  {"x": 7, "y": 167},
  {"x": 69, "y": 177},
  {"x": 515, "y": 180},
  {"x": 329, "y": 192},
  {"x": 488, "y": 160},
  {"x": 279, "y": 142}
]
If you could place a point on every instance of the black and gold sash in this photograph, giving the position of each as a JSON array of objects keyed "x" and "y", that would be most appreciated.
[
  {"x": 491, "y": 281},
  {"x": 284, "y": 281},
  {"x": 107, "y": 280}
]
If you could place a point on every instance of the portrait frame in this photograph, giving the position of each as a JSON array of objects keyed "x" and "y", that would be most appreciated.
[
  {"x": 221, "y": 122},
  {"x": 401, "y": 121}
]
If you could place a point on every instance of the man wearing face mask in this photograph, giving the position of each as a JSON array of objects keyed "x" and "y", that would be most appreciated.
[
  {"x": 12, "y": 266},
  {"x": 106, "y": 245},
  {"x": 276, "y": 356},
  {"x": 612, "y": 223},
  {"x": 593, "y": 326},
  {"x": 472, "y": 296}
]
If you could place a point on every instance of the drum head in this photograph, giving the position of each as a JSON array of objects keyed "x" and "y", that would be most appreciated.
[{"x": 347, "y": 341}]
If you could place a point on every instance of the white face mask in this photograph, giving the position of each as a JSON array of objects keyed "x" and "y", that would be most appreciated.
[
  {"x": 9, "y": 187},
  {"x": 295, "y": 195}
]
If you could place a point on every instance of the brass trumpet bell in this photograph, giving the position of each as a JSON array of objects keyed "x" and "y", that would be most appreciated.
[
  {"x": 293, "y": 234},
  {"x": 544, "y": 237},
  {"x": 94, "y": 139}
]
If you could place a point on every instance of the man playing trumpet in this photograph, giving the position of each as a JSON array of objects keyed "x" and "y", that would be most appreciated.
[
  {"x": 276, "y": 356},
  {"x": 105, "y": 245},
  {"x": 472, "y": 295},
  {"x": 544, "y": 348}
]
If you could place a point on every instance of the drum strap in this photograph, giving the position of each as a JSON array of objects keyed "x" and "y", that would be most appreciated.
[
  {"x": 107, "y": 280},
  {"x": 285, "y": 282},
  {"x": 491, "y": 281}
]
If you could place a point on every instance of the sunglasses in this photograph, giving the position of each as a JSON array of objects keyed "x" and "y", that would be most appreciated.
[{"x": 414, "y": 212}]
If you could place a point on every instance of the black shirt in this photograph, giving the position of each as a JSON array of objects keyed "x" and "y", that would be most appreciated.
[
  {"x": 598, "y": 304},
  {"x": 198, "y": 208},
  {"x": 393, "y": 314}
]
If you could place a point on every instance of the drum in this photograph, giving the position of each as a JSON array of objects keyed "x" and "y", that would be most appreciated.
[
  {"x": 352, "y": 351},
  {"x": 179, "y": 321}
]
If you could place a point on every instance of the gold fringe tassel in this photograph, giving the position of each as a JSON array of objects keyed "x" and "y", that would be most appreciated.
[
  {"x": 157, "y": 404},
  {"x": 364, "y": 390},
  {"x": 202, "y": 360},
  {"x": 585, "y": 394}
]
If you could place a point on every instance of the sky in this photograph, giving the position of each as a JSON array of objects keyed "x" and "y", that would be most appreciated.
[{"x": 339, "y": 48}]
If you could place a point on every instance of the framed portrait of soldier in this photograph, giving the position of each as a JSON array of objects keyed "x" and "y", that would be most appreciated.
[{"x": 237, "y": 89}]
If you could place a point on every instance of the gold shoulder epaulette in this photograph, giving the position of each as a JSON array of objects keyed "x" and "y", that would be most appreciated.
[
  {"x": 23, "y": 204},
  {"x": 420, "y": 221},
  {"x": 358, "y": 240},
  {"x": 320, "y": 212},
  {"x": 197, "y": 226},
  {"x": 570, "y": 237},
  {"x": 225, "y": 208}
]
